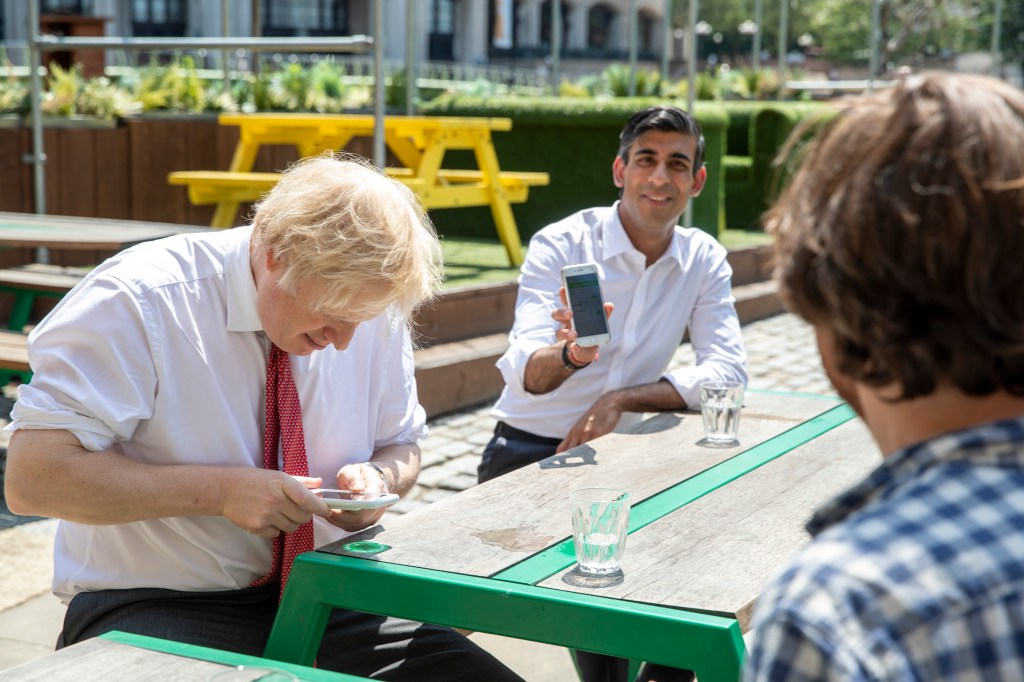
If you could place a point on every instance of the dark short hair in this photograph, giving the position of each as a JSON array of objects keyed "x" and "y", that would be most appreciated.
[
  {"x": 669, "y": 119},
  {"x": 901, "y": 234}
]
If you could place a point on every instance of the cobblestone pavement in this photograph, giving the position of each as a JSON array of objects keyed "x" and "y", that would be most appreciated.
[{"x": 781, "y": 355}]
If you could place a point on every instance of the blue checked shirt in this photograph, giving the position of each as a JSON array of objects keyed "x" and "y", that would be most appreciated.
[{"x": 917, "y": 573}]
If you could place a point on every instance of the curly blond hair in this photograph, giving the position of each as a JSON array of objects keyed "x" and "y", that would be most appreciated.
[{"x": 336, "y": 219}]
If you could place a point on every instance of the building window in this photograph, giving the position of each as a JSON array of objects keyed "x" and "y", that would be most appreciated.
[
  {"x": 305, "y": 17},
  {"x": 83, "y": 7},
  {"x": 599, "y": 26},
  {"x": 648, "y": 32},
  {"x": 441, "y": 38},
  {"x": 159, "y": 17},
  {"x": 545, "y": 23}
]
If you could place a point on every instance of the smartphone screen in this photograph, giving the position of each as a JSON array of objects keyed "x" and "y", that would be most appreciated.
[{"x": 584, "y": 293}]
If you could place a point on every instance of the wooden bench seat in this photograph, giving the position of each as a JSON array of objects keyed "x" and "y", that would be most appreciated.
[
  {"x": 57, "y": 279},
  {"x": 27, "y": 282},
  {"x": 455, "y": 187},
  {"x": 14, "y": 352}
]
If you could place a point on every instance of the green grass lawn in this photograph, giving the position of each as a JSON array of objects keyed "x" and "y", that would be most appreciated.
[{"x": 482, "y": 261}]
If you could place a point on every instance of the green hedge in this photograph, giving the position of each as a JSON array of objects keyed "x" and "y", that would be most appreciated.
[
  {"x": 575, "y": 141},
  {"x": 752, "y": 180}
]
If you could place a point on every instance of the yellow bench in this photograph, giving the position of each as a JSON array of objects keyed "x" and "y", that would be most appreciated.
[
  {"x": 455, "y": 188},
  {"x": 418, "y": 142}
]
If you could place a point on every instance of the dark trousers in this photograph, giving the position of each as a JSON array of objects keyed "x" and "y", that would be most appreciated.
[
  {"x": 510, "y": 449},
  {"x": 240, "y": 621}
]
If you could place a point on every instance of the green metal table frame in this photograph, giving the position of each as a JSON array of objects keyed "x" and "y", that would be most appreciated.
[{"x": 510, "y": 603}]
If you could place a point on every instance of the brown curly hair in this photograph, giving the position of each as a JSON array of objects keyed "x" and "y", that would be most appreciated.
[{"x": 902, "y": 233}]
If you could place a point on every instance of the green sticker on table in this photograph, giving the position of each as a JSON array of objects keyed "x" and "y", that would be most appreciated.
[{"x": 365, "y": 547}]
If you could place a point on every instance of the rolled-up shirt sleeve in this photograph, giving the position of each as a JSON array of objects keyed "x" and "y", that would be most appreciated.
[
  {"x": 715, "y": 336},
  {"x": 537, "y": 298},
  {"x": 402, "y": 418},
  {"x": 93, "y": 369}
]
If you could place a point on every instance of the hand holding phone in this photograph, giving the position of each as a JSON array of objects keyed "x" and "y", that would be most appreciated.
[
  {"x": 350, "y": 499},
  {"x": 583, "y": 292}
]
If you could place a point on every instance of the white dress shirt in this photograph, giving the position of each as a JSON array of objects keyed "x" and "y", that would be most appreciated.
[
  {"x": 689, "y": 287},
  {"x": 160, "y": 354}
]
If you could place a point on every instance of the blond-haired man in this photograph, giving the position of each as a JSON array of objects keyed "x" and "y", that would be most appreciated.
[{"x": 143, "y": 426}]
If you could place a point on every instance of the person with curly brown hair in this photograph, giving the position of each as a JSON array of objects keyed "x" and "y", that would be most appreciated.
[{"x": 899, "y": 240}]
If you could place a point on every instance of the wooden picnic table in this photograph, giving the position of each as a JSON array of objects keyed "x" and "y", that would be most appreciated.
[
  {"x": 27, "y": 230},
  {"x": 708, "y": 528},
  {"x": 418, "y": 142},
  {"x": 124, "y": 656},
  {"x": 27, "y": 282}
]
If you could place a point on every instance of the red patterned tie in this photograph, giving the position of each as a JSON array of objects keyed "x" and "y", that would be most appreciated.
[{"x": 284, "y": 423}]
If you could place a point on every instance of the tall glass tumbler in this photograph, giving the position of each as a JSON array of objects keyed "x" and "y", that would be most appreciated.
[
  {"x": 600, "y": 521},
  {"x": 720, "y": 405}
]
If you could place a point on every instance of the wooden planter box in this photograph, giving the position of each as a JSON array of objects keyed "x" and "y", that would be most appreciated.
[{"x": 121, "y": 171}]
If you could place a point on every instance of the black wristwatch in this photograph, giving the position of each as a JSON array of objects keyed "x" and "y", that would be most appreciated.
[{"x": 567, "y": 362}]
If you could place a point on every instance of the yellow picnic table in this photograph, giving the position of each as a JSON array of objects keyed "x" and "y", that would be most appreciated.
[{"x": 418, "y": 142}]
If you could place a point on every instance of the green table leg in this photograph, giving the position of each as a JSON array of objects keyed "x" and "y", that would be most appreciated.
[
  {"x": 712, "y": 646},
  {"x": 21, "y": 311}
]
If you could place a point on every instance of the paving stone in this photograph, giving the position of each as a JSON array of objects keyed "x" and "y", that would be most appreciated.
[
  {"x": 465, "y": 465},
  {"x": 480, "y": 439},
  {"x": 458, "y": 482},
  {"x": 436, "y": 494},
  {"x": 405, "y": 505},
  {"x": 430, "y": 477},
  {"x": 432, "y": 455},
  {"x": 457, "y": 448}
]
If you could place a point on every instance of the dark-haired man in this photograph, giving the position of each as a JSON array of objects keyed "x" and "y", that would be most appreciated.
[
  {"x": 899, "y": 240},
  {"x": 660, "y": 279}
]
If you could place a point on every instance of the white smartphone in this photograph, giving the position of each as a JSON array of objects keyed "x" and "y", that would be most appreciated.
[
  {"x": 583, "y": 290},
  {"x": 347, "y": 499}
]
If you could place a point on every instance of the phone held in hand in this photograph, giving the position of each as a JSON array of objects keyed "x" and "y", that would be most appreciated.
[
  {"x": 583, "y": 291},
  {"x": 348, "y": 499}
]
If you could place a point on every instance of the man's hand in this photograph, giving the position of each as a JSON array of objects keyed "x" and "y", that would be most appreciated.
[
  {"x": 563, "y": 316},
  {"x": 600, "y": 419},
  {"x": 266, "y": 503},
  {"x": 358, "y": 478}
]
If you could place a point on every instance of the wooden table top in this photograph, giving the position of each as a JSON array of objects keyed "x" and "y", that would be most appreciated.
[
  {"x": 119, "y": 656},
  {"x": 710, "y": 551},
  {"x": 27, "y": 230}
]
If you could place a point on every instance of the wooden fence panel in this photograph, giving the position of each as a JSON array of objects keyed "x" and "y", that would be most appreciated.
[
  {"x": 157, "y": 147},
  {"x": 75, "y": 154},
  {"x": 12, "y": 170},
  {"x": 113, "y": 174}
]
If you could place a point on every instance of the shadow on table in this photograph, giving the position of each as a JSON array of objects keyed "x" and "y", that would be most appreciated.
[{"x": 579, "y": 456}]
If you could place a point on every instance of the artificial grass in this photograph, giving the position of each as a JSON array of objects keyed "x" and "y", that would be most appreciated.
[{"x": 482, "y": 261}]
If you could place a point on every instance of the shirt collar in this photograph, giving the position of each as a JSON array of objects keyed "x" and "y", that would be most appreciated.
[
  {"x": 616, "y": 242},
  {"x": 1000, "y": 443},
  {"x": 241, "y": 288}
]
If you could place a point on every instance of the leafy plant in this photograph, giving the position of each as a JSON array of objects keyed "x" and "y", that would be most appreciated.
[
  {"x": 708, "y": 86},
  {"x": 101, "y": 98},
  {"x": 62, "y": 90},
  {"x": 395, "y": 88},
  {"x": 13, "y": 93},
  {"x": 172, "y": 87},
  {"x": 616, "y": 81}
]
